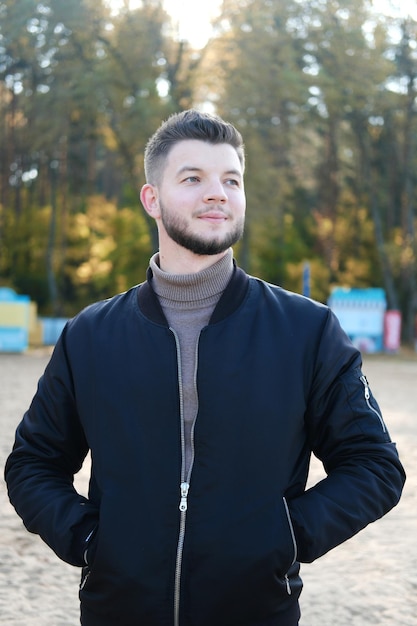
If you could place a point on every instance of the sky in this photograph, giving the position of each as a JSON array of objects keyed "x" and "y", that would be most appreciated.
[{"x": 193, "y": 16}]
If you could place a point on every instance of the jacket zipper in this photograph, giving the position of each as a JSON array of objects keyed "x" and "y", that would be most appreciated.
[
  {"x": 184, "y": 486},
  {"x": 294, "y": 543},
  {"x": 365, "y": 383}
]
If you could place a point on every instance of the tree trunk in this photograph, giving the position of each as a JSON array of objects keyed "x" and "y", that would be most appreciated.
[{"x": 52, "y": 285}]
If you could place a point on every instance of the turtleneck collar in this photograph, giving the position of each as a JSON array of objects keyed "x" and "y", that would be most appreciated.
[{"x": 189, "y": 289}]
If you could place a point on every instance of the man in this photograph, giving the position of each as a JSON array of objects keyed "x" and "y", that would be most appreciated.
[{"x": 201, "y": 394}]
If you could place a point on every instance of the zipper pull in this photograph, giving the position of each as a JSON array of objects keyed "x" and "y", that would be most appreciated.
[
  {"x": 184, "y": 487},
  {"x": 287, "y": 583},
  {"x": 366, "y": 385}
]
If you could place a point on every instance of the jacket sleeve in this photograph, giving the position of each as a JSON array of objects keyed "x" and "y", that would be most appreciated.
[
  {"x": 347, "y": 433},
  {"x": 49, "y": 448}
]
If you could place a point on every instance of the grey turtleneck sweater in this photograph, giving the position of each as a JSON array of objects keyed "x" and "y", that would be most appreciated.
[{"x": 188, "y": 300}]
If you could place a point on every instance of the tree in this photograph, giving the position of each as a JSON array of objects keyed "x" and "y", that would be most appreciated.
[
  {"x": 81, "y": 90},
  {"x": 323, "y": 91},
  {"x": 407, "y": 71},
  {"x": 262, "y": 90}
]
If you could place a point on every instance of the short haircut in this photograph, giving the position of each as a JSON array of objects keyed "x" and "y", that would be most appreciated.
[{"x": 189, "y": 124}]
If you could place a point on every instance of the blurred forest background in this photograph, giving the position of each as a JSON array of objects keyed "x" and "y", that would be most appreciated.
[{"x": 323, "y": 91}]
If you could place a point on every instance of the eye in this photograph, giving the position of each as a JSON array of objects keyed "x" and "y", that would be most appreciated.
[
  {"x": 233, "y": 182},
  {"x": 191, "y": 179}
]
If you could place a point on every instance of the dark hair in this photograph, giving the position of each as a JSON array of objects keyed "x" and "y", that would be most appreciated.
[{"x": 189, "y": 124}]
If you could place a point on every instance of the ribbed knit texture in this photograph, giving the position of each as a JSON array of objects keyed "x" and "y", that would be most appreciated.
[{"x": 188, "y": 300}]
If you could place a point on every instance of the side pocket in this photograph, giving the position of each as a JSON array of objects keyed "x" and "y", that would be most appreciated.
[
  {"x": 89, "y": 554},
  {"x": 91, "y": 547},
  {"x": 85, "y": 573},
  {"x": 294, "y": 541}
]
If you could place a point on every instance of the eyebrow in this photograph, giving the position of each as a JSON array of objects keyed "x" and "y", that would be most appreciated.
[{"x": 191, "y": 168}]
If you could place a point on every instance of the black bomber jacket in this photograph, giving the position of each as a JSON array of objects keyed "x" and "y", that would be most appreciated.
[{"x": 277, "y": 379}]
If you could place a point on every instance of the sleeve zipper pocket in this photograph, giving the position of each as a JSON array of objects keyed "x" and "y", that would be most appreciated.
[{"x": 365, "y": 383}]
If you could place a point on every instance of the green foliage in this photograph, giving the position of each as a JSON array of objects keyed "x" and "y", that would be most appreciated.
[
  {"x": 323, "y": 91},
  {"x": 108, "y": 251},
  {"x": 22, "y": 258}
]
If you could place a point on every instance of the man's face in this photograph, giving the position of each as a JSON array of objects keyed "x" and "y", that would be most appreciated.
[{"x": 201, "y": 197}]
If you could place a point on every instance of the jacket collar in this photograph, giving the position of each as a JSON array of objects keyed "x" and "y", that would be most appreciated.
[{"x": 229, "y": 301}]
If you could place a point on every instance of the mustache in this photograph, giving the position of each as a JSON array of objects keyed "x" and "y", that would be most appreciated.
[{"x": 221, "y": 210}]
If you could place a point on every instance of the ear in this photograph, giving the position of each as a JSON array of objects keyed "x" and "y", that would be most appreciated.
[{"x": 149, "y": 197}]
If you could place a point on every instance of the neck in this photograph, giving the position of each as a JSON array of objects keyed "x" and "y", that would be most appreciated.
[
  {"x": 191, "y": 290},
  {"x": 182, "y": 261}
]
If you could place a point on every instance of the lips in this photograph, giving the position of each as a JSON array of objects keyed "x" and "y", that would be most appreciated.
[{"x": 214, "y": 216}]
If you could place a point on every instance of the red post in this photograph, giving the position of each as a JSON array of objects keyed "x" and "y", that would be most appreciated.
[{"x": 392, "y": 331}]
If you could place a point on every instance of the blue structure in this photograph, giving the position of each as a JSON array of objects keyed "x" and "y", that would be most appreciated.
[
  {"x": 306, "y": 280},
  {"x": 51, "y": 329},
  {"x": 361, "y": 314},
  {"x": 14, "y": 321}
]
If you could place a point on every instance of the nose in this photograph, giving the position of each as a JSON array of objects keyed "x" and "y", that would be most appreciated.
[{"x": 215, "y": 193}]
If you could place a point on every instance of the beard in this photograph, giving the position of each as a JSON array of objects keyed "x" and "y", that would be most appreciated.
[{"x": 176, "y": 228}]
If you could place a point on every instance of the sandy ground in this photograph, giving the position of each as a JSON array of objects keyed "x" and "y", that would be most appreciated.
[{"x": 372, "y": 579}]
